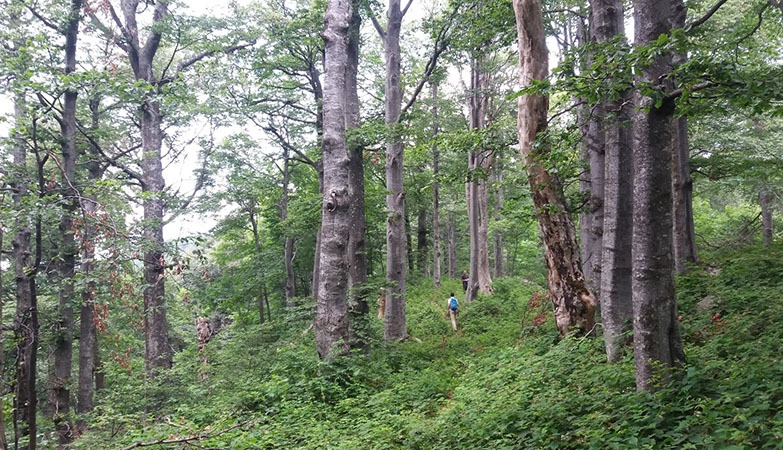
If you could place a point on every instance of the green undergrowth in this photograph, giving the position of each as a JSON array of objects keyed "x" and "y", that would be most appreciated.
[{"x": 504, "y": 380}]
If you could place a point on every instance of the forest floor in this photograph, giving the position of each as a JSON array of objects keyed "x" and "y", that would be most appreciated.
[{"x": 505, "y": 380}]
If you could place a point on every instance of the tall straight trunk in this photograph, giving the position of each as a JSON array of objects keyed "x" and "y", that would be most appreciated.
[
  {"x": 88, "y": 335},
  {"x": 610, "y": 128},
  {"x": 332, "y": 335},
  {"x": 3, "y": 441},
  {"x": 479, "y": 166},
  {"x": 657, "y": 342},
  {"x": 251, "y": 212},
  {"x": 497, "y": 260},
  {"x": 288, "y": 251},
  {"x": 682, "y": 195},
  {"x": 421, "y": 242},
  {"x": 411, "y": 264},
  {"x": 451, "y": 234},
  {"x": 358, "y": 307},
  {"x": 767, "y": 225},
  {"x": 436, "y": 260},
  {"x": 574, "y": 305},
  {"x": 25, "y": 332},
  {"x": 158, "y": 354},
  {"x": 60, "y": 394},
  {"x": 395, "y": 327}
]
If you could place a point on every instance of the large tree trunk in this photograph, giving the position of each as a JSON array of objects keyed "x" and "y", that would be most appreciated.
[
  {"x": 477, "y": 191},
  {"x": 158, "y": 354},
  {"x": 3, "y": 441},
  {"x": 25, "y": 332},
  {"x": 767, "y": 225},
  {"x": 358, "y": 306},
  {"x": 684, "y": 229},
  {"x": 395, "y": 327},
  {"x": 610, "y": 128},
  {"x": 88, "y": 336},
  {"x": 332, "y": 320},
  {"x": 657, "y": 342},
  {"x": 436, "y": 270},
  {"x": 60, "y": 394},
  {"x": 574, "y": 306}
]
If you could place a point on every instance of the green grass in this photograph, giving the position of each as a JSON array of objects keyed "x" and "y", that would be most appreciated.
[{"x": 500, "y": 382}]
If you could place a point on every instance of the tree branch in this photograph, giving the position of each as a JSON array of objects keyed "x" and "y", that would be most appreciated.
[
  {"x": 186, "y": 64},
  {"x": 199, "y": 437},
  {"x": 43, "y": 19},
  {"x": 706, "y": 16},
  {"x": 405, "y": 10}
]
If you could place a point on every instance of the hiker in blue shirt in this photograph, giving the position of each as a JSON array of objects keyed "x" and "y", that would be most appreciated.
[{"x": 453, "y": 309}]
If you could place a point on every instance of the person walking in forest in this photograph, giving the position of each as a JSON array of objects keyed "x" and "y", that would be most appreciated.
[
  {"x": 453, "y": 309},
  {"x": 465, "y": 279}
]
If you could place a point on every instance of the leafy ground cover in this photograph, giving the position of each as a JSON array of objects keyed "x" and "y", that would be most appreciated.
[{"x": 504, "y": 380}]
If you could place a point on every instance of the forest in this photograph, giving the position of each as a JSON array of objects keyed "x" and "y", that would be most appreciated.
[{"x": 239, "y": 224}]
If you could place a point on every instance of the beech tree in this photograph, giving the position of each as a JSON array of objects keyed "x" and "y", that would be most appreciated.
[
  {"x": 657, "y": 341},
  {"x": 574, "y": 305}
]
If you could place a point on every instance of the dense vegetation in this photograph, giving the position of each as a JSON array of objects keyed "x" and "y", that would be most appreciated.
[{"x": 505, "y": 380}]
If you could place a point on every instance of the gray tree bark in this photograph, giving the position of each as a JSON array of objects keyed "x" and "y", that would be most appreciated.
[
  {"x": 451, "y": 233},
  {"x": 573, "y": 304},
  {"x": 436, "y": 256},
  {"x": 497, "y": 179},
  {"x": 3, "y": 441},
  {"x": 395, "y": 325},
  {"x": 657, "y": 342},
  {"x": 682, "y": 197},
  {"x": 477, "y": 190},
  {"x": 332, "y": 320},
  {"x": 611, "y": 128},
  {"x": 358, "y": 307},
  {"x": 60, "y": 394},
  {"x": 158, "y": 354},
  {"x": 88, "y": 336}
]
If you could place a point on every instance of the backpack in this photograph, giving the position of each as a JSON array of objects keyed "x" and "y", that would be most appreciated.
[{"x": 453, "y": 304}]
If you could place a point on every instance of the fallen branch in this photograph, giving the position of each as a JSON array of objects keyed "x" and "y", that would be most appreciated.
[{"x": 183, "y": 440}]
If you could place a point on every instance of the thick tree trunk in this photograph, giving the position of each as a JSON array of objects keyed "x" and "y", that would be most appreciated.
[
  {"x": 767, "y": 225},
  {"x": 358, "y": 307},
  {"x": 573, "y": 304},
  {"x": 3, "y": 441},
  {"x": 60, "y": 394},
  {"x": 436, "y": 260},
  {"x": 611, "y": 129},
  {"x": 158, "y": 354},
  {"x": 479, "y": 167},
  {"x": 88, "y": 336},
  {"x": 25, "y": 333},
  {"x": 395, "y": 327},
  {"x": 682, "y": 194},
  {"x": 657, "y": 343},
  {"x": 332, "y": 319}
]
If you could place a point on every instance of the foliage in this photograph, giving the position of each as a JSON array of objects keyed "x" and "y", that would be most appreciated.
[{"x": 500, "y": 382}]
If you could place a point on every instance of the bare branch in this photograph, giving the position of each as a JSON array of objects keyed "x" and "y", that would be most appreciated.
[
  {"x": 405, "y": 10},
  {"x": 199, "y": 437},
  {"x": 378, "y": 28},
  {"x": 43, "y": 19}
]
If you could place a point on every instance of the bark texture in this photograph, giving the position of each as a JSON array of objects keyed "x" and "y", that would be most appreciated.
[
  {"x": 436, "y": 256},
  {"x": 657, "y": 343},
  {"x": 60, "y": 394},
  {"x": 574, "y": 305},
  {"x": 395, "y": 325},
  {"x": 158, "y": 352},
  {"x": 682, "y": 197},
  {"x": 611, "y": 127},
  {"x": 331, "y": 321}
]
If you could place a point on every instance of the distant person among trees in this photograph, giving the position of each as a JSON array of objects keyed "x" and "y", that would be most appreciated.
[
  {"x": 465, "y": 278},
  {"x": 453, "y": 310}
]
